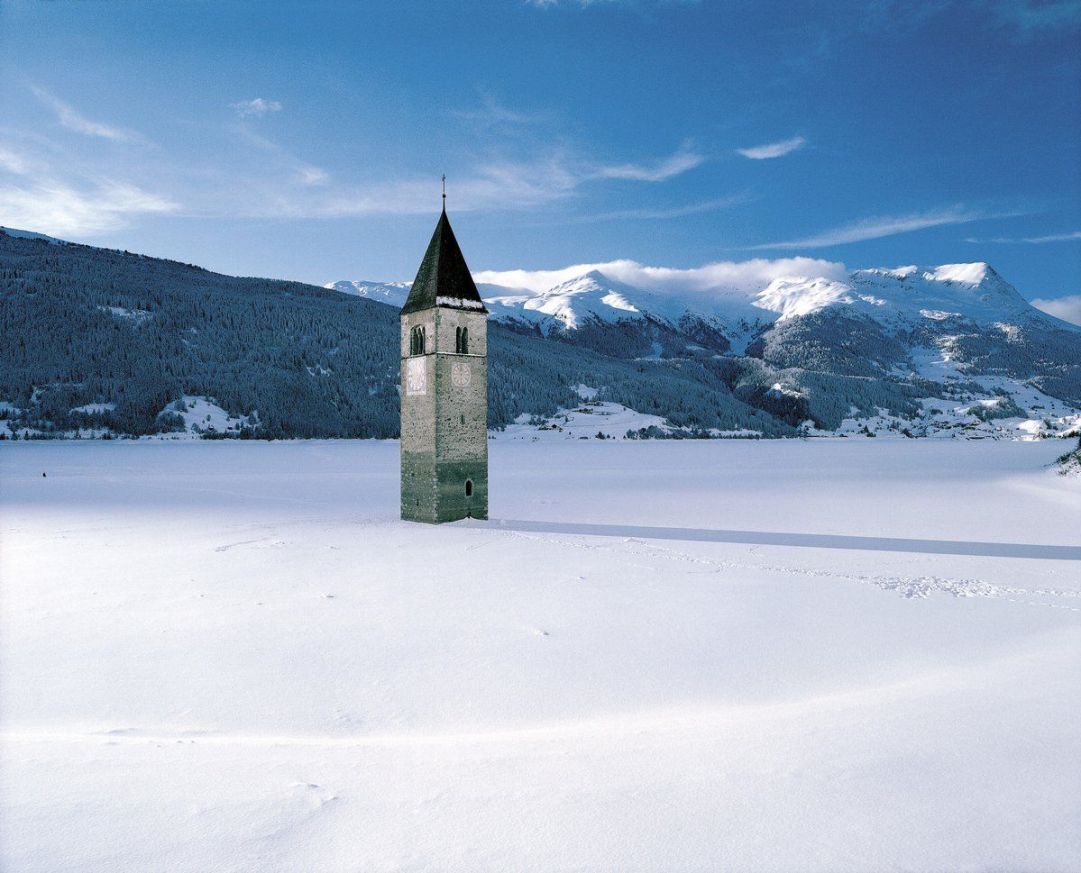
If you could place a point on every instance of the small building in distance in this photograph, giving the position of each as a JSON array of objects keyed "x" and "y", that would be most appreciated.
[{"x": 444, "y": 388}]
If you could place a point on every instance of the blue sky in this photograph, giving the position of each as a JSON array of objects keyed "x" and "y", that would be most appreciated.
[{"x": 307, "y": 140}]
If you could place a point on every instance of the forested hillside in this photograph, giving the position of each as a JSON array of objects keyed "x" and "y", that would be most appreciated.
[
  {"x": 91, "y": 326},
  {"x": 99, "y": 338}
]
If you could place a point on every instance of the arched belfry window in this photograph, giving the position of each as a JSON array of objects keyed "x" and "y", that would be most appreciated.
[
  {"x": 461, "y": 340},
  {"x": 468, "y": 487},
  {"x": 465, "y": 340},
  {"x": 416, "y": 340}
]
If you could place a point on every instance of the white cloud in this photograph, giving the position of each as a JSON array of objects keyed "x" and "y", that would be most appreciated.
[
  {"x": 874, "y": 228},
  {"x": 34, "y": 198},
  {"x": 256, "y": 106},
  {"x": 682, "y": 161},
  {"x": 1037, "y": 240},
  {"x": 54, "y": 208},
  {"x": 721, "y": 275},
  {"x": 773, "y": 149},
  {"x": 1066, "y": 308},
  {"x": 72, "y": 120}
]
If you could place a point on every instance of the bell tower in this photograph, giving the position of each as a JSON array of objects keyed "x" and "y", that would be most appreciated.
[{"x": 444, "y": 388}]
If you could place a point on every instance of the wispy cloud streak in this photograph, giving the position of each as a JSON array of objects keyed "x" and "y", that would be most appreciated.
[
  {"x": 72, "y": 120},
  {"x": 774, "y": 149},
  {"x": 664, "y": 214},
  {"x": 874, "y": 228},
  {"x": 497, "y": 185},
  {"x": 1036, "y": 240},
  {"x": 491, "y": 113},
  {"x": 494, "y": 185},
  {"x": 682, "y": 161}
]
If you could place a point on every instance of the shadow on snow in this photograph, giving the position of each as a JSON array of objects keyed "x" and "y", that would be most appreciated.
[{"x": 801, "y": 540}]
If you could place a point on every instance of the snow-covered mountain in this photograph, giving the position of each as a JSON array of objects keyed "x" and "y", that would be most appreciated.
[
  {"x": 936, "y": 327},
  {"x": 919, "y": 304},
  {"x": 394, "y": 293},
  {"x": 575, "y": 302},
  {"x": 906, "y": 297},
  {"x": 899, "y": 298}
]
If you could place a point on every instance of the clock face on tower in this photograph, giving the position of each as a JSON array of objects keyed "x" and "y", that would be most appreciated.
[
  {"x": 416, "y": 376},
  {"x": 460, "y": 374}
]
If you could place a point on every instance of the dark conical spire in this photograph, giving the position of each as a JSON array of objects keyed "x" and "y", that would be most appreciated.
[{"x": 443, "y": 278}]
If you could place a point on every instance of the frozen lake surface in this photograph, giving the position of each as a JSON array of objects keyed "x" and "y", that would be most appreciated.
[{"x": 836, "y": 655}]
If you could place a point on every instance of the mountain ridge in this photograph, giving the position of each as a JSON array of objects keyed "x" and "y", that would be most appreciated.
[
  {"x": 608, "y": 298},
  {"x": 99, "y": 341}
]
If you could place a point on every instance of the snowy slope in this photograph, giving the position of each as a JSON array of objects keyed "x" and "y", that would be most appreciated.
[
  {"x": 202, "y": 415},
  {"x": 234, "y": 657},
  {"x": 29, "y": 234}
]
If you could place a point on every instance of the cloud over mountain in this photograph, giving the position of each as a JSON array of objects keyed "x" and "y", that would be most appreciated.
[
  {"x": 708, "y": 277},
  {"x": 1066, "y": 308}
]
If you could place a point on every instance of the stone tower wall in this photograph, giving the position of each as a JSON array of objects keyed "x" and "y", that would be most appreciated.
[{"x": 444, "y": 402}]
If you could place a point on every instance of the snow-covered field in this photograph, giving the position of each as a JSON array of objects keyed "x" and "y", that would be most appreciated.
[{"x": 233, "y": 657}]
